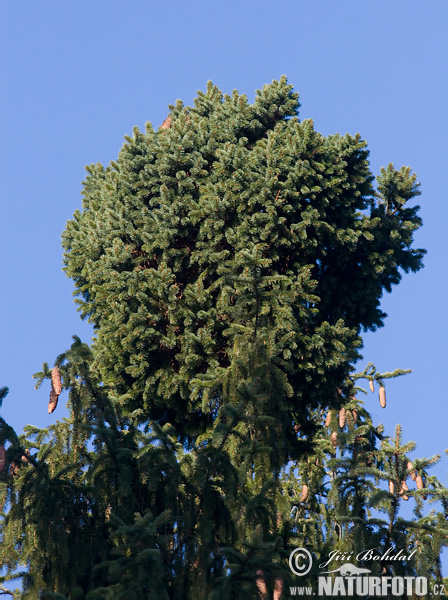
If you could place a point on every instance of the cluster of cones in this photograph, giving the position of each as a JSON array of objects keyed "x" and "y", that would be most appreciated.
[
  {"x": 263, "y": 589},
  {"x": 353, "y": 414},
  {"x": 403, "y": 485},
  {"x": 13, "y": 467},
  {"x": 381, "y": 393},
  {"x": 344, "y": 414}
]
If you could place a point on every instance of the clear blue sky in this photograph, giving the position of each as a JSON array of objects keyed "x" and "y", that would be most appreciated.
[{"x": 77, "y": 76}]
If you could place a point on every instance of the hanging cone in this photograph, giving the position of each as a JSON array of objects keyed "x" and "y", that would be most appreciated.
[
  {"x": 278, "y": 588},
  {"x": 391, "y": 487},
  {"x": 2, "y": 458},
  {"x": 53, "y": 401},
  {"x": 25, "y": 456},
  {"x": 334, "y": 439},
  {"x": 328, "y": 419},
  {"x": 261, "y": 585},
  {"x": 382, "y": 396},
  {"x": 13, "y": 469},
  {"x": 166, "y": 124},
  {"x": 342, "y": 417},
  {"x": 371, "y": 386},
  {"x": 304, "y": 494},
  {"x": 413, "y": 474},
  {"x": 403, "y": 490},
  {"x": 56, "y": 380},
  {"x": 420, "y": 486},
  {"x": 355, "y": 415}
]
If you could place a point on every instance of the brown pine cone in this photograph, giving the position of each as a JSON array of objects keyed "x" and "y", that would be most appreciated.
[
  {"x": 56, "y": 380},
  {"x": 371, "y": 386},
  {"x": 334, "y": 439},
  {"x": 382, "y": 396},
  {"x": 304, "y": 494},
  {"x": 261, "y": 584},
  {"x": 413, "y": 474},
  {"x": 420, "y": 485},
  {"x": 342, "y": 417},
  {"x": 328, "y": 419},
  {"x": 403, "y": 490},
  {"x": 53, "y": 401},
  {"x": 166, "y": 123},
  {"x": 391, "y": 487},
  {"x": 278, "y": 588}
]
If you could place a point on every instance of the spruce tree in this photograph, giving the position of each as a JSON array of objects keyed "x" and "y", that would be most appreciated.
[{"x": 229, "y": 262}]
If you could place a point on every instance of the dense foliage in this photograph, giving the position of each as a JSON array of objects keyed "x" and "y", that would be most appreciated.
[{"x": 229, "y": 262}]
